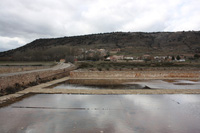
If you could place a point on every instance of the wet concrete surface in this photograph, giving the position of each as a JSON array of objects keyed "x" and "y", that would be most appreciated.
[
  {"x": 129, "y": 84},
  {"x": 61, "y": 113}
]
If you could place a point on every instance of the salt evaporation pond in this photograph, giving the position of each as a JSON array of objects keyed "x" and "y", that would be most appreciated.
[
  {"x": 128, "y": 84},
  {"x": 61, "y": 113}
]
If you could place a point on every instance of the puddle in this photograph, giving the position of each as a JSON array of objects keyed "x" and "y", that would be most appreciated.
[
  {"x": 102, "y": 113},
  {"x": 127, "y": 84},
  {"x": 98, "y": 84},
  {"x": 91, "y": 87},
  {"x": 183, "y": 84}
]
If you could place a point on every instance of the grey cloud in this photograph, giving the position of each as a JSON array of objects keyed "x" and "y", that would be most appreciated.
[
  {"x": 9, "y": 43},
  {"x": 29, "y": 20},
  {"x": 2, "y": 49}
]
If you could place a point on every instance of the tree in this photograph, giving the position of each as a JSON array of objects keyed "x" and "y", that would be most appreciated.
[
  {"x": 69, "y": 58},
  {"x": 196, "y": 56},
  {"x": 178, "y": 57},
  {"x": 173, "y": 58}
]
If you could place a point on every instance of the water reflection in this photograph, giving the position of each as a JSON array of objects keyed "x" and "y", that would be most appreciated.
[
  {"x": 128, "y": 84},
  {"x": 91, "y": 87},
  {"x": 102, "y": 113}
]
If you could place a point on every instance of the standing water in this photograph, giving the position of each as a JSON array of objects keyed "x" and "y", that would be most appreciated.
[
  {"x": 127, "y": 84},
  {"x": 63, "y": 113}
]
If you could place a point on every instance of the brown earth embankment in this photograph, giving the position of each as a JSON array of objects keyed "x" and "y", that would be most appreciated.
[
  {"x": 24, "y": 79},
  {"x": 135, "y": 74},
  {"x": 11, "y": 69}
]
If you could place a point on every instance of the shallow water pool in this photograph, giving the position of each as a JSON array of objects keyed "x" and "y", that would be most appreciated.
[
  {"x": 128, "y": 84},
  {"x": 102, "y": 113}
]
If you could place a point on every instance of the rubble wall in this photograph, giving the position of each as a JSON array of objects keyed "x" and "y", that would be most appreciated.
[
  {"x": 11, "y": 69},
  {"x": 27, "y": 78}
]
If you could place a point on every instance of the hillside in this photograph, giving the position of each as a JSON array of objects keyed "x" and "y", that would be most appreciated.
[{"x": 129, "y": 43}]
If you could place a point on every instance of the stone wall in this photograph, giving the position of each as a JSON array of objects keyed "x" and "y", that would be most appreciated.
[
  {"x": 135, "y": 74},
  {"x": 26, "y": 78},
  {"x": 11, "y": 69}
]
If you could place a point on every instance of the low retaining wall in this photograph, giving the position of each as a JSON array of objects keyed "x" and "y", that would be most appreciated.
[
  {"x": 11, "y": 69},
  {"x": 135, "y": 74},
  {"x": 27, "y": 78}
]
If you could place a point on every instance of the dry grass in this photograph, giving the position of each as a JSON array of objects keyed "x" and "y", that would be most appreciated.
[{"x": 18, "y": 63}]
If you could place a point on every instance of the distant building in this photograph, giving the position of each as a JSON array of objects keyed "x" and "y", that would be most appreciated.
[
  {"x": 75, "y": 59},
  {"x": 107, "y": 59},
  {"x": 102, "y": 52},
  {"x": 114, "y": 58},
  {"x": 161, "y": 58},
  {"x": 62, "y": 60},
  {"x": 181, "y": 60},
  {"x": 128, "y": 58},
  {"x": 118, "y": 57},
  {"x": 146, "y": 56},
  {"x": 137, "y": 60},
  {"x": 114, "y": 51}
]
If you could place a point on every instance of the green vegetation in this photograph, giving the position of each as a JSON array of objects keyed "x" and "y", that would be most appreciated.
[
  {"x": 173, "y": 58},
  {"x": 178, "y": 57},
  {"x": 196, "y": 56},
  {"x": 129, "y": 43},
  {"x": 103, "y": 65}
]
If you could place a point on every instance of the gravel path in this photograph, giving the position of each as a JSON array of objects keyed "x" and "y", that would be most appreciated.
[{"x": 59, "y": 66}]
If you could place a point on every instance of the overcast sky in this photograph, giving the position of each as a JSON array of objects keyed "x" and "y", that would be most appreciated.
[{"x": 22, "y": 21}]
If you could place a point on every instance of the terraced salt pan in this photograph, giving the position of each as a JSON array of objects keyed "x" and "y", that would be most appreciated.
[
  {"x": 50, "y": 113},
  {"x": 129, "y": 84}
]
